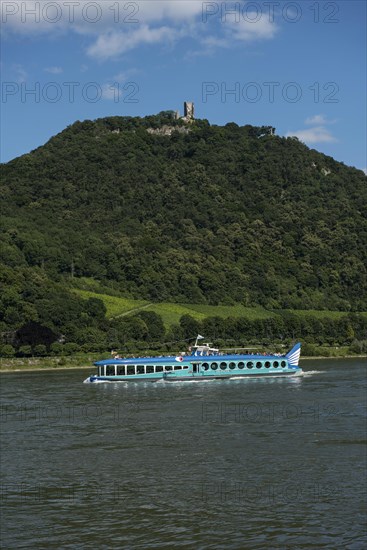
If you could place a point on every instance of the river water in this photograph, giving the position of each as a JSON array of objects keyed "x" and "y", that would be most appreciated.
[{"x": 260, "y": 463}]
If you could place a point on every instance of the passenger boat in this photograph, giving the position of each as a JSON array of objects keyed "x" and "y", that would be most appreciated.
[{"x": 201, "y": 363}]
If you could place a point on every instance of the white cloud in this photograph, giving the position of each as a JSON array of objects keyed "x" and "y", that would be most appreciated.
[
  {"x": 43, "y": 16},
  {"x": 124, "y": 75},
  {"x": 317, "y": 134},
  {"x": 235, "y": 30},
  {"x": 251, "y": 28},
  {"x": 208, "y": 46},
  {"x": 319, "y": 120},
  {"x": 118, "y": 26},
  {"x": 113, "y": 44},
  {"x": 114, "y": 89},
  {"x": 54, "y": 70},
  {"x": 213, "y": 41},
  {"x": 111, "y": 92},
  {"x": 24, "y": 17},
  {"x": 175, "y": 10},
  {"x": 21, "y": 73}
]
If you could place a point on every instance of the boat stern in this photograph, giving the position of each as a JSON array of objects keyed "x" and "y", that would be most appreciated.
[{"x": 293, "y": 357}]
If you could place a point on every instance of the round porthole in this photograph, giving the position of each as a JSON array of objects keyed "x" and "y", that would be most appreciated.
[
  {"x": 205, "y": 366},
  {"x": 275, "y": 364},
  {"x": 223, "y": 366},
  {"x": 250, "y": 365},
  {"x": 214, "y": 366},
  {"x": 267, "y": 364},
  {"x": 258, "y": 365},
  {"x": 232, "y": 365},
  {"x": 241, "y": 365},
  {"x": 283, "y": 364}
]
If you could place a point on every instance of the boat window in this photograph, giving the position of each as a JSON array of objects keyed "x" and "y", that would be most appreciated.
[
  {"x": 121, "y": 370},
  {"x": 159, "y": 368},
  {"x": 177, "y": 368},
  {"x": 130, "y": 369},
  {"x": 168, "y": 367},
  {"x": 283, "y": 364},
  {"x": 232, "y": 365},
  {"x": 214, "y": 366},
  {"x": 140, "y": 369},
  {"x": 149, "y": 369},
  {"x": 205, "y": 366},
  {"x": 185, "y": 367},
  {"x": 241, "y": 365},
  {"x": 249, "y": 364},
  {"x": 267, "y": 364},
  {"x": 275, "y": 364},
  {"x": 100, "y": 371},
  {"x": 258, "y": 365},
  {"x": 110, "y": 370},
  {"x": 223, "y": 365}
]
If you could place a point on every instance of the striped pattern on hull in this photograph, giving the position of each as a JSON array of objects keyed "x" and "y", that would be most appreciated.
[{"x": 294, "y": 355}]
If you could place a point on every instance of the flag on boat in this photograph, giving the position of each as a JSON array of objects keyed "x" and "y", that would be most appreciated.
[{"x": 199, "y": 337}]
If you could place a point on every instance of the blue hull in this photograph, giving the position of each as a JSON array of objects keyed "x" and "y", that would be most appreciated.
[{"x": 190, "y": 378}]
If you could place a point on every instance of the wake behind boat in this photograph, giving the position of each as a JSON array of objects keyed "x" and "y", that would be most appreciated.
[{"x": 201, "y": 363}]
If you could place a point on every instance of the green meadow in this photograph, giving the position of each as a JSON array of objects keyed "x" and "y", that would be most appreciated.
[{"x": 171, "y": 312}]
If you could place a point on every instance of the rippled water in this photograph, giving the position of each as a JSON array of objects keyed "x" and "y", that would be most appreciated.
[{"x": 259, "y": 463}]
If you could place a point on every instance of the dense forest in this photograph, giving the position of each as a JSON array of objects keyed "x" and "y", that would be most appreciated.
[{"x": 201, "y": 214}]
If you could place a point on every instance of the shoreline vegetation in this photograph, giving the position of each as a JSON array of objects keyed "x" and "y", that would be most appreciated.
[
  {"x": 133, "y": 329},
  {"x": 39, "y": 364}
]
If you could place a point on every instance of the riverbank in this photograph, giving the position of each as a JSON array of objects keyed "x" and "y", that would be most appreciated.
[
  {"x": 17, "y": 364},
  {"x": 82, "y": 363}
]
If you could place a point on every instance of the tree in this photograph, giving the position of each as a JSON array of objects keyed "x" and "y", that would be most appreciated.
[
  {"x": 190, "y": 326},
  {"x": 96, "y": 308},
  {"x": 154, "y": 324},
  {"x": 40, "y": 349},
  {"x": 56, "y": 348},
  {"x": 33, "y": 333},
  {"x": 89, "y": 336},
  {"x": 25, "y": 351},
  {"x": 7, "y": 351},
  {"x": 71, "y": 347}
]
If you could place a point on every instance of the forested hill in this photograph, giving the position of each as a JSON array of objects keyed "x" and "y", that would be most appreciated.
[{"x": 207, "y": 214}]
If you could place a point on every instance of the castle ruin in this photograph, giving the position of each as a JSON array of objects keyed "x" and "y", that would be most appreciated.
[{"x": 188, "y": 112}]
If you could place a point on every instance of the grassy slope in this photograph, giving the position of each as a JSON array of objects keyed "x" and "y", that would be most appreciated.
[
  {"x": 115, "y": 305},
  {"x": 171, "y": 313}
]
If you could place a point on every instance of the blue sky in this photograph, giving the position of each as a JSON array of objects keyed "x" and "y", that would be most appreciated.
[{"x": 298, "y": 66}]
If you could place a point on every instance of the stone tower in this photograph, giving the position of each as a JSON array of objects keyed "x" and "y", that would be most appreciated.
[{"x": 188, "y": 110}]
